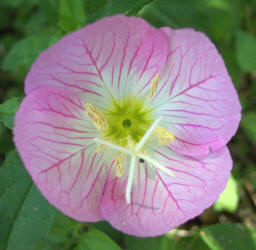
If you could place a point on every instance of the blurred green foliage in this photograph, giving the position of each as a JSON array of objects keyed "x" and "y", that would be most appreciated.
[
  {"x": 27, "y": 221},
  {"x": 229, "y": 198},
  {"x": 24, "y": 214},
  {"x": 8, "y": 110},
  {"x": 245, "y": 51}
]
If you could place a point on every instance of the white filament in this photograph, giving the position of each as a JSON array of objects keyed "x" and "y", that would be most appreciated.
[
  {"x": 145, "y": 137},
  {"x": 130, "y": 179},
  {"x": 157, "y": 165},
  {"x": 113, "y": 146}
]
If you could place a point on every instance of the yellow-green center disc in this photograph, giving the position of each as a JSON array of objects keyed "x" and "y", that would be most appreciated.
[{"x": 129, "y": 118}]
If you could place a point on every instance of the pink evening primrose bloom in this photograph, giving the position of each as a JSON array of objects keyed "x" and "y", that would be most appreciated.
[{"x": 128, "y": 123}]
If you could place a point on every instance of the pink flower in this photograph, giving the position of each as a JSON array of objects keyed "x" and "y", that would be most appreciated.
[{"x": 128, "y": 123}]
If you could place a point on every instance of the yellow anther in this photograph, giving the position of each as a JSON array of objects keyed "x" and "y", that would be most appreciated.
[
  {"x": 165, "y": 136},
  {"x": 99, "y": 148},
  {"x": 143, "y": 151},
  {"x": 154, "y": 83},
  {"x": 130, "y": 143},
  {"x": 119, "y": 163},
  {"x": 97, "y": 117}
]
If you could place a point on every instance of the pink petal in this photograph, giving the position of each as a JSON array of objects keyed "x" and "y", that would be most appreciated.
[
  {"x": 112, "y": 57},
  {"x": 54, "y": 138},
  {"x": 196, "y": 95},
  {"x": 162, "y": 203}
]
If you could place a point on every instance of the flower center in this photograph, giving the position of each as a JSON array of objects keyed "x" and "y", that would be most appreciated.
[
  {"x": 127, "y": 120},
  {"x": 125, "y": 127}
]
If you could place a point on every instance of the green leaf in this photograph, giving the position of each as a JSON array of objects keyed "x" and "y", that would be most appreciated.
[
  {"x": 96, "y": 240},
  {"x": 63, "y": 228},
  {"x": 136, "y": 8},
  {"x": 105, "y": 227},
  {"x": 51, "y": 11},
  {"x": 24, "y": 52},
  {"x": 6, "y": 143},
  {"x": 64, "y": 234},
  {"x": 72, "y": 15},
  {"x": 178, "y": 14},
  {"x": 93, "y": 6},
  {"x": 160, "y": 243},
  {"x": 222, "y": 25},
  {"x": 19, "y": 3},
  {"x": 174, "y": 240},
  {"x": 233, "y": 68},
  {"x": 219, "y": 23},
  {"x": 249, "y": 180},
  {"x": 10, "y": 106},
  {"x": 229, "y": 198},
  {"x": 248, "y": 124},
  {"x": 36, "y": 22},
  {"x": 253, "y": 234},
  {"x": 25, "y": 216},
  {"x": 246, "y": 51},
  {"x": 228, "y": 237},
  {"x": 8, "y": 110},
  {"x": 112, "y": 7},
  {"x": 192, "y": 242}
]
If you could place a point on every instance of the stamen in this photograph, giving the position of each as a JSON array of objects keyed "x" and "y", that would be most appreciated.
[
  {"x": 97, "y": 117},
  {"x": 157, "y": 165},
  {"x": 154, "y": 83},
  {"x": 130, "y": 178},
  {"x": 99, "y": 148},
  {"x": 130, "y": 143},
  {"x": 143, "y": 151},
  {"x": 165, "y": 136},
  {"x": 119, "y": 163},
  {"x": 143, "y": 140}
]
